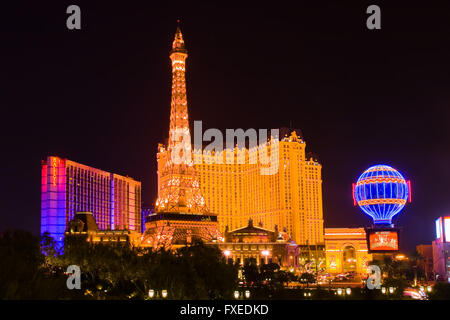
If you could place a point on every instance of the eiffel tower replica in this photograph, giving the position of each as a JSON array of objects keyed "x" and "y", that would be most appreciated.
[{"x": 181, "y": 214}]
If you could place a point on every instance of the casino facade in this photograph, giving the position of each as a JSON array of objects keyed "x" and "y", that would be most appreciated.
[{"x": 68, "y": 187}]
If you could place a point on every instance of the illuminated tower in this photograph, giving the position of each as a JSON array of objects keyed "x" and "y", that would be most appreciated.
[
  {"x": 181, "y": 213},
  {"x": 179, "y": 189}
]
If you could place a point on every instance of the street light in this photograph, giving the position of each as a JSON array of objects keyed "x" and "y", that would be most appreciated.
[
  {"x": 265, "y": 254},
  {"x": 344, "y": 292},
  {"x": 155, "y": 294},
  {"x": 388, "y": 291},
  {"x": 429, "y": 288},
  {"x": 241, "y": 295}
]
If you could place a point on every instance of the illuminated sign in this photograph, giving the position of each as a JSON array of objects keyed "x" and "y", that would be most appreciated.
[
  {"x": 381, "y": 192},
  {"x": 383, "y": 240},
  {"x": 443, "y": 229},
  {"x": 447, "y": 229},
  {"x": 54, "y": 171},
  {"x": 438, "y": 228}
]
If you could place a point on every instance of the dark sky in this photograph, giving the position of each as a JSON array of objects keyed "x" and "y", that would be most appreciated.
[{"x": 101, "y": 96}]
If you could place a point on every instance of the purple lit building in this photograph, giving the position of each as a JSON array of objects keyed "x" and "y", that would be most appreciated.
[
  {"x": 69, "y": 187},
  {"x": 441, "y": 249}
]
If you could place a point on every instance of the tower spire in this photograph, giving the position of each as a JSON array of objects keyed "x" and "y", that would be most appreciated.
[
  {"x": 178, "y": 42},
  {"x": 179, "y": 121}
]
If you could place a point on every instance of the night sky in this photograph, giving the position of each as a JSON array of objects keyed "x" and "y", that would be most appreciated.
[{"x": 101, "y": 96}]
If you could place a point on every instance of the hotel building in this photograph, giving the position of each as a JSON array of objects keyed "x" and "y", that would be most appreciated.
[
  {"x": 262, "y": 245},
  {"x": 441, "y": 260},
  {"x": 84, "y": 226},
  {"x": 441, "y": 250},
  {"x": 289, "y": 198},
  {"x": 69, "y": 187}
]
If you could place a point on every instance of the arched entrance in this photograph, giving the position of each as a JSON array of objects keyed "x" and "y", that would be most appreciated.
[{"x": 349, "y": 259}]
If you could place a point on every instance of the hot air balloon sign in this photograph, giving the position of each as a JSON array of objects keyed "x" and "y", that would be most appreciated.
[{"x": 381, "y": 192}]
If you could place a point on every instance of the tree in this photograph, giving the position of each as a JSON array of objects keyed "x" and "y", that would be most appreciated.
[
  {"x": 396, "y": 274},
  {"x": 441, "y": 291},
  {"x": 49, "y": 249},
  {"x": 33, "y": 268},
  {"x": 268, "y": 271},
  {"x": 281, "y": 278},
  {"x": 307, "y": 278},
  {"x": 251, "y": 272},
  {"x": 217, "y": 278},
  {"x": 20, "y": 262}
]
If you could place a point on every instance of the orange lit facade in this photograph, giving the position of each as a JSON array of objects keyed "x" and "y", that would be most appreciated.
[
  {"x": 261, "y": 245},
  {"x": 290, "y": 198},
  {"x": 84, "y": 226},
  {"x": 346, "y": 250}
]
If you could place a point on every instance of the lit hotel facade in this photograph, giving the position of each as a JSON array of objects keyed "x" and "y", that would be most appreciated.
[
  {"x": 69, "y": 187},
  {"x": 289, "y": 198}
]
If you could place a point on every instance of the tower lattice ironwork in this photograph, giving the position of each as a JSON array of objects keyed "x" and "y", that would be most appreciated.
[{"x": 180, "y": 188}]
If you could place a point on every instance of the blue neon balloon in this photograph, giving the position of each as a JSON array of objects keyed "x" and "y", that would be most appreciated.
[{"x": 381, "y": 192}]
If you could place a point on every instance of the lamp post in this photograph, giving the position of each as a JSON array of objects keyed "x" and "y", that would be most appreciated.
[
  {"x": 227, "y": 254},
  {"x": 388, "y": 291},
  {"x": 156, "y": 294},
  {"x": 238, "y": 295},
  {"x": 344, "y": 293},
  {"x": 265, "y": 254},
  {"x": 415, "y": 275}
]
